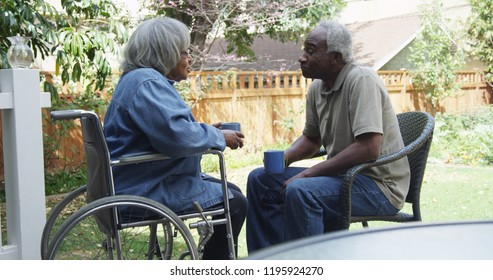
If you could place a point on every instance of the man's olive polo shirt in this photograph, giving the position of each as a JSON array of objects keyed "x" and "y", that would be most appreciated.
[{"x": 359, "y": 103}]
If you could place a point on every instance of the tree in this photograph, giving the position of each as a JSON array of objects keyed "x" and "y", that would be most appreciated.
[
  {"x": 240, "y": 21},
  {"x": 82, "y": 37},
  {"x": 27, "y": 18},
  {"x": 436, "y": 55},
  {"x": 481, "y": 33},
  {"x": 90, "y": 33}
]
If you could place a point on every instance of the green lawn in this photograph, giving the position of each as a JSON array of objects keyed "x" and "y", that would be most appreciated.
[
  {"x": 457, "y": 193},
  {"x": 449, "y": 193}
]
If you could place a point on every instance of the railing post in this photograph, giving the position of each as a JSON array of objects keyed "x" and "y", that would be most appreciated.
[{"x": 21, "y": 102}]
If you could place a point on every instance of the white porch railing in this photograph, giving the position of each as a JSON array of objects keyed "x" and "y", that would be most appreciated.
[{"x": 20, "y": 103}]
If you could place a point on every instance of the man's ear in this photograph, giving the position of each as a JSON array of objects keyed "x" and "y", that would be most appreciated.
[{"x": 337, "y": 57}]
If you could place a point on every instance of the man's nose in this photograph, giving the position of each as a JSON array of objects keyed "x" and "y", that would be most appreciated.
[{"x": 302, "y": 58}]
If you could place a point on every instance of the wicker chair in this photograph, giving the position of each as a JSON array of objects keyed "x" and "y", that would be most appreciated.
[{"x": 417, "y": 132}]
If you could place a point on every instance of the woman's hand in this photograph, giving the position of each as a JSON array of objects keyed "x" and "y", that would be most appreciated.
[
  {"x": 234, "y": 139},
  {"x": 217, "y": 125}
]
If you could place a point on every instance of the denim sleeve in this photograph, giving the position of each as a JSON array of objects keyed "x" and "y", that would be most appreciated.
[{"x": 162, "y": 115}]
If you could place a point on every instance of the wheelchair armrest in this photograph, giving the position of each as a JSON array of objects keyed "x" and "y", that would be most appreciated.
[
  {"x": 146, "y": 157},
  {"x": 137, "y": 158}
]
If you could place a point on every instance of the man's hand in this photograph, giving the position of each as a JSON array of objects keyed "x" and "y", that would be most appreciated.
[{"x": 297, "y": 176}]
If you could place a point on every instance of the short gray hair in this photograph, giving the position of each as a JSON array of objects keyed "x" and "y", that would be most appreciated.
[
  {"x": 338, "y": 39},
  {"x": 156, "y": 43}
]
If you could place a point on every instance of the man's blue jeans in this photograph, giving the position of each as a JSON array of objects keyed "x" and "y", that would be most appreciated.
[{"x": 309, "y": 206}]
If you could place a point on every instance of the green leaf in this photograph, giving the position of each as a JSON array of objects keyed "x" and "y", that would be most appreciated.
[{"x": 76, "y": 72}]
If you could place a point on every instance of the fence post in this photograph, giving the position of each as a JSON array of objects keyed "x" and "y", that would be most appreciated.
[{"x": 21, "y": 102}]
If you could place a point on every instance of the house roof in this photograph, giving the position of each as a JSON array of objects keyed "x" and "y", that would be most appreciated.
[
  {"x": 270, "y": 55},
  {"x": 375, "y": 43}
]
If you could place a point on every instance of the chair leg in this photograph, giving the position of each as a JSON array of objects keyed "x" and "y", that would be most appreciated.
[{"x": 231, "y": 242}]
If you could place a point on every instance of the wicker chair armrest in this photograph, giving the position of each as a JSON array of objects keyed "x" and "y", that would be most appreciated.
[
  {"x": 322, "y": 152},
  {"x": 426, "y": 135}
]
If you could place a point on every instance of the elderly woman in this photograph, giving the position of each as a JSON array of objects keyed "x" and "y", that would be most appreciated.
[{"x": 146, "y": 114}]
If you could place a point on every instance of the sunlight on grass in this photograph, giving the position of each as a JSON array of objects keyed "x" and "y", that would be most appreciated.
[
  {"x": 452, "y": 193},
  {"x": 457, "y": 193},
  {"x": 449, "y": 193}
]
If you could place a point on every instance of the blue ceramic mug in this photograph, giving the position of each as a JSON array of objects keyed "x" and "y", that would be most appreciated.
[
  {"x": 274, "y": 161},
  {"x": 231, "y": 126}
]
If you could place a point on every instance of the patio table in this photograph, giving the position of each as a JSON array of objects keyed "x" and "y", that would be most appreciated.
[{"x": 412, "y": 241}]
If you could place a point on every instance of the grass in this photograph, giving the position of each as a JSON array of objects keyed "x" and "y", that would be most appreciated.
[
  {"x": 449, "y": 193},
  {"x": 453, "y": 192}
]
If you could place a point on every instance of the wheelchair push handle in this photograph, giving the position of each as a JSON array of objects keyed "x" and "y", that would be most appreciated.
[{"x": 66, "y": 114}]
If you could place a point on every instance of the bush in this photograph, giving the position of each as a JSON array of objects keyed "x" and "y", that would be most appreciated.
[
  {"x": 464, "y": 138},
  {"x": 64, "y": 182}
]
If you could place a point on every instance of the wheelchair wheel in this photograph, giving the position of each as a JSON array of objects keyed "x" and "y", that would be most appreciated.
[
  {"x": 122, "y": 227},
  {"x": 56, "y": 216},
  {"x": 167, "y": 241}
]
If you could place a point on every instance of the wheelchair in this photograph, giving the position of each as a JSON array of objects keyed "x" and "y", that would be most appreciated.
[{"x": 124, "y": 227}]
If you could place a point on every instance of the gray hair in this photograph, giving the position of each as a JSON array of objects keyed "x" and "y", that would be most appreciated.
[
  {"x": 338, "y": 39},
  {"x": 156, "y": 43}
]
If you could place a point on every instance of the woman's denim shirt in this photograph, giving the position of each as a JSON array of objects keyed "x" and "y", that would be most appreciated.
[{"x": 147, "y": 115}]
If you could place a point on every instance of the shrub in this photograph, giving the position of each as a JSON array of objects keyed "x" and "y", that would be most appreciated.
[{"x": 464, "y": 138}]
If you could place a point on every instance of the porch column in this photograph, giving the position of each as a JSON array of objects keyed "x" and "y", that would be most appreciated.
[{"x": 20, "y": 103}]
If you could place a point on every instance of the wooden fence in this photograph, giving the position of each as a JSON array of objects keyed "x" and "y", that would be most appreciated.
[
  {"x": 270, "y": 105},
  {"x": 474, "y": 93}
]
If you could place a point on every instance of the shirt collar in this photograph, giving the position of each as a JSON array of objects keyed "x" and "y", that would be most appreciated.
[
  {"x": 171, "y": 82},
  {"x": 340, "y": 79}
]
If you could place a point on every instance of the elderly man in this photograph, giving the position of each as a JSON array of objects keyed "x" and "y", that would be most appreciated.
[{"x": 348, "y": 112}]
